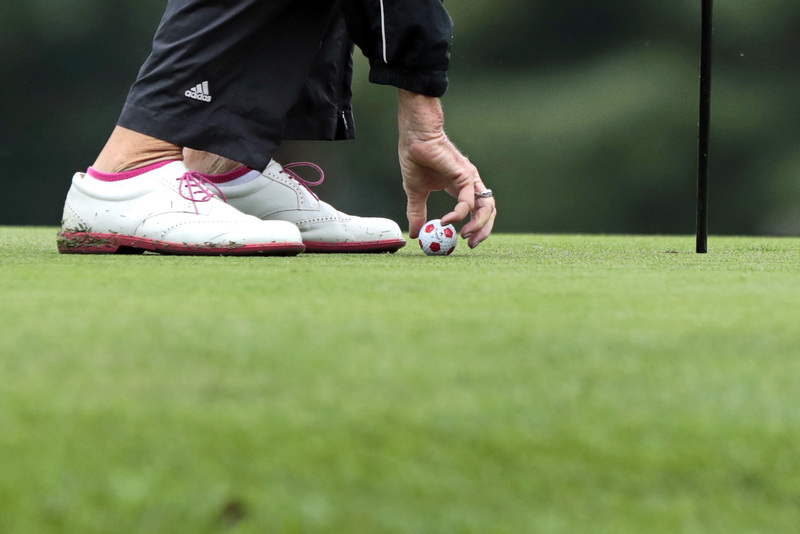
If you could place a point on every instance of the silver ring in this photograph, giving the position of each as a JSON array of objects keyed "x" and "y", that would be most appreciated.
[{"x": 485, "y": 194}]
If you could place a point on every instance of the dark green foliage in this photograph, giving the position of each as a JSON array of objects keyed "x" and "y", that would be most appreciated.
[{"x": 581, "y": 115}]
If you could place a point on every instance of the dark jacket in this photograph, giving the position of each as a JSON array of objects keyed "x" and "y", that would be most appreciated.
[
  {"x": 407, "y": 41},
  {"x": 236, "y": 78}
]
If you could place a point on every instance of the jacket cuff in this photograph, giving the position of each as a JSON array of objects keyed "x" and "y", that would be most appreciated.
[{"x": 428, "y": 83}]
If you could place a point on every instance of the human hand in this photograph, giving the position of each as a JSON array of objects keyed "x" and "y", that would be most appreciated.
[{"x": 430, "y": 162}]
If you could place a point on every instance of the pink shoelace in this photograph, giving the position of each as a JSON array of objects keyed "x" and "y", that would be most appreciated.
[
  {"x": 193, "y": 186},
  {"x": 305, "y": 183}
]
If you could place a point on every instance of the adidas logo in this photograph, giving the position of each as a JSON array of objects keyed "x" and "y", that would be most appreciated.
[{"x": 199, "y": 92}]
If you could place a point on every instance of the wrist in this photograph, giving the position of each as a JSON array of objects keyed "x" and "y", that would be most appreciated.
[{"x": 419, "y": 116}]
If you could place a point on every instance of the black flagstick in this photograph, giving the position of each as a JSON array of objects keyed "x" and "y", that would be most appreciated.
[{"x": 704, "y": 126}]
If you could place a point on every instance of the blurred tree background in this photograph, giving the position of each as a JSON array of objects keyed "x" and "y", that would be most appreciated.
[{"x": 582, "y": 116}]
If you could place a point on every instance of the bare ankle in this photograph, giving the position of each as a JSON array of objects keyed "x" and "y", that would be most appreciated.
[
  {"x": 128, "y": 150},
  {"x": 208, "y": 163}
]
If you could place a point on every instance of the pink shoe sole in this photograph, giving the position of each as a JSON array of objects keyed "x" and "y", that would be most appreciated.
[
  {"x": 350, "y": 247},
  {"x": 92, "y": 243}
]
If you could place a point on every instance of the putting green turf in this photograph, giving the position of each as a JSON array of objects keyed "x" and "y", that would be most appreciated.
[{"x": 541, "y": 383}]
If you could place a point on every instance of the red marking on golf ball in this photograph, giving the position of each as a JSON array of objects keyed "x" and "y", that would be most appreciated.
[
  {"x": 435, "y": 247},
  {"x": 429, "y": 228},
  {"x": 448, "y": 232}
]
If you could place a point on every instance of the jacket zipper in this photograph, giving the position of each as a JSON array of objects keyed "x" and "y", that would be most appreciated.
[{"x": 346, "y": 54}]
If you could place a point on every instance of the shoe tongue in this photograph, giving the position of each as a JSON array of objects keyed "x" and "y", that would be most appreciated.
[{"x": 274, "y": 166}]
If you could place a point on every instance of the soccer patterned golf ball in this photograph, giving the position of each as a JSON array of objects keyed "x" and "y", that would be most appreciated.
[{"x": 438, "y": 240}]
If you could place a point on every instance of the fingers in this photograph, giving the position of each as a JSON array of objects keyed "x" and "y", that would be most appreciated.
[
  {"x": 482, "y": 223},
  {"x": 466, "y": 202},
  {"x": 416, "y": 211},
  {"x": 433, "y": 166},
  {"x": 464, "y": 191},
  {"x": 483, "y": 212},
  {"x": 458, "y": 214}
]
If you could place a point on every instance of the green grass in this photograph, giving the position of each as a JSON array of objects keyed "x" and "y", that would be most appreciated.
[{"x": 575, "y": 384}]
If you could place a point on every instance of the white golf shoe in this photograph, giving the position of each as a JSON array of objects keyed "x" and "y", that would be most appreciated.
[
  {"x": 167, "y": 210},
  {"x": 281, "y": 194}
]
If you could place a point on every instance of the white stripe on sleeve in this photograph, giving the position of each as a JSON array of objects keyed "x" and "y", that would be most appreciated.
[{"x": 383, "y": 32}]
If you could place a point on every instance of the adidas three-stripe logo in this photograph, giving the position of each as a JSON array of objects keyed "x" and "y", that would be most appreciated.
[{"x": 199, "y": 92}]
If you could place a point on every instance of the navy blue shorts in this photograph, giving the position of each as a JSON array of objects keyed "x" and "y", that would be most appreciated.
[{"x": 237, "y": 78}]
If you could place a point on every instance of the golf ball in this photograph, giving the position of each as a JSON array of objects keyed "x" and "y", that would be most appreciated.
[{"x": 438, "y": 240}]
